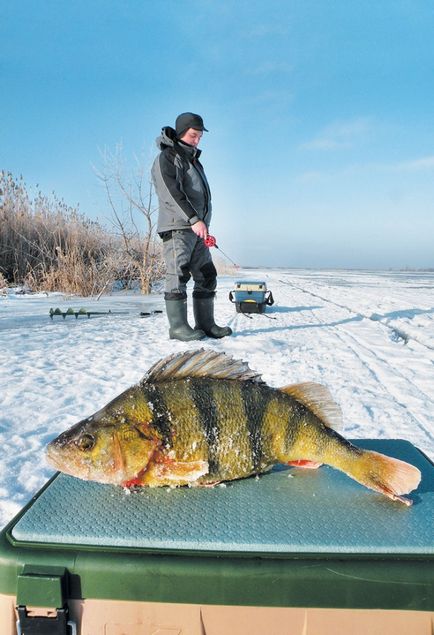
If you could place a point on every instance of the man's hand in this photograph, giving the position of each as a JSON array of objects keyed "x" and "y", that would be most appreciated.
[{"x": 200, "y": 229}]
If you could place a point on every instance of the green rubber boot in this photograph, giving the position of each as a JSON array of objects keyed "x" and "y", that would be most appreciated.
[
  {"x": 179, "y": 328},
  {"x": 203, "y": 309}
]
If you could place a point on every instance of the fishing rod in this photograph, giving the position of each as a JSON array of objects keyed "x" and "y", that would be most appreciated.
[{"x": 211, "y": 241}]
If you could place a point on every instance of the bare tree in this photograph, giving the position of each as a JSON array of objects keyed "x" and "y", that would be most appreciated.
[{"x": 130, "y": 195}]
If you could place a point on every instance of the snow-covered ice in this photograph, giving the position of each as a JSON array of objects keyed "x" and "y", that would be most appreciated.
[{"x": 368, "y": 336}]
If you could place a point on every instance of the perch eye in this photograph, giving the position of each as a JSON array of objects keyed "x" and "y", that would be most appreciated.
[{"x": 86, "y": 442}]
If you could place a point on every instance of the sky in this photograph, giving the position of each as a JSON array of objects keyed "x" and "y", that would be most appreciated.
[{"x": 320, "y": 150}]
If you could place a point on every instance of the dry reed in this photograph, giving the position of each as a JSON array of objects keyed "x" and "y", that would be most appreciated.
[{"x": 50, "y": 246}]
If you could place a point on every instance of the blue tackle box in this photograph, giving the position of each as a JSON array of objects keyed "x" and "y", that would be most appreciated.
[
  {"x": 304, "y": 552},
  {"x": 251, "y": 296}
]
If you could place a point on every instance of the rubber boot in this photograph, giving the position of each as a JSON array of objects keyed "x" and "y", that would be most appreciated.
[
  {"x": 179, "y": 328},
  {"x": 203, "y": 309}
]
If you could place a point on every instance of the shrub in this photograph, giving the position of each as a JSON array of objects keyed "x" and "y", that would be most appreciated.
[{"x": 50, "y": 246}]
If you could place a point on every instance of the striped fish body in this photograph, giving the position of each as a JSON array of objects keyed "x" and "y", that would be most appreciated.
[
  {"x": 201, "y": 417},
  {"x": 234, "y": 428}
]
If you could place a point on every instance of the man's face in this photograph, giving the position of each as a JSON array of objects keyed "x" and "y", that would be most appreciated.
[{"x": 192, "y": 137}]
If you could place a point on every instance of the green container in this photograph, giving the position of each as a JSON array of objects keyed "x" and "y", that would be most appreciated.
[{"x": 291, "y": 538}]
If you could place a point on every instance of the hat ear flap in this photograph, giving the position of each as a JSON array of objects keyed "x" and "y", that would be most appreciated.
[{"x": 181, "y": 133}]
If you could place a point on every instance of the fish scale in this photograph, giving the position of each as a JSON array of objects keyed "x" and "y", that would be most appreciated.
[
  {"x": 255, "y": 403},
  {"x": 234, "y": 446},
  {"x": 219, "y": 418},
  {"x": 202, "y": 395},
  {"x": 186, "y": 436},
  {"x": 154, "y": 395}
]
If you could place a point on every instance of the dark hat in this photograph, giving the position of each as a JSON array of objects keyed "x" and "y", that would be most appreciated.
[{"x": 188, "y": 120}]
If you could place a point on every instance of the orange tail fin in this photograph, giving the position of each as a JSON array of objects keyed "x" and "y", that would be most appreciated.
[{"x": 392, "y": 477}]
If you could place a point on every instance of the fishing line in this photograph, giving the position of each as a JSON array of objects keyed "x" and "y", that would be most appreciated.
[{"x": 211, "y": 241}]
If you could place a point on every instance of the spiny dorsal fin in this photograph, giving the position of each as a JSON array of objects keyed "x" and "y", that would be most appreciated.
[
  {"x": 318, "y": 399},
  {"x": 200, "y": 363}
]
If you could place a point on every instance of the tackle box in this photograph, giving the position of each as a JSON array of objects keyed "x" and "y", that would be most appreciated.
[
  {"x": 251, "y": 296},
  {"x": 292, "y": 552}
]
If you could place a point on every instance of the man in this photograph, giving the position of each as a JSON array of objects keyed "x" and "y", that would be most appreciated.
[{"x": 183, "y": 221}]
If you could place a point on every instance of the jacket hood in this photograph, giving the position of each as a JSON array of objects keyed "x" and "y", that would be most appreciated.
[{"x": 168, "y": 139}]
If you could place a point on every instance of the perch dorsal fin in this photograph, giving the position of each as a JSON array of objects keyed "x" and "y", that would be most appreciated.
[
  {"x": 200, "y": 363},
  {"x": 318, "y": 399}
]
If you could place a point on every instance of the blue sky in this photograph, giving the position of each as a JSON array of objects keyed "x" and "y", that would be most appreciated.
[{"x": 321, "y": 144}]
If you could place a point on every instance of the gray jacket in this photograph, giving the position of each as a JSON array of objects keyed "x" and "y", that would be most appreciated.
[{"x": 181, "y": 185}]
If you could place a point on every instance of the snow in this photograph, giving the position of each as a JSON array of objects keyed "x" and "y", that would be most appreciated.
[{"x": 368, "y": 336}]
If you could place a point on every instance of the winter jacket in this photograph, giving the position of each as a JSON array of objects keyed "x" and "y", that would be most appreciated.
[{"x": 181, "y": 185}]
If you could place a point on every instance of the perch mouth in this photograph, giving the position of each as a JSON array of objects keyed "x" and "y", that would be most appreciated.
[
  {"x": 58, "y": 456},
  {"x": 51, "y": 454},
  {"x": 54, "y": 458}
]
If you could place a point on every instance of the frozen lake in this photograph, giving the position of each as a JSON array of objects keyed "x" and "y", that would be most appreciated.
[{"x": 368, "y": 336}]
